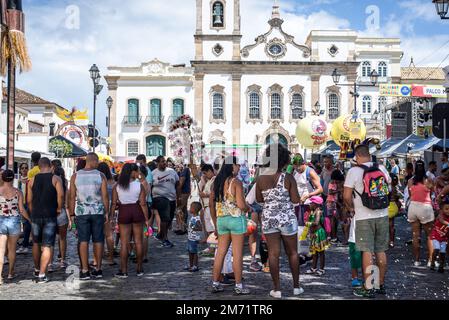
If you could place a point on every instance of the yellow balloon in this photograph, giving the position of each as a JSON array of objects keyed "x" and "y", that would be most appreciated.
[
  {"x": 345, "y": 129},
  {"x": 312, "y": 132}
]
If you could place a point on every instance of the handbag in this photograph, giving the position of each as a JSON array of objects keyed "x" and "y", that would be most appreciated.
[{"x": 303, "y": 242}]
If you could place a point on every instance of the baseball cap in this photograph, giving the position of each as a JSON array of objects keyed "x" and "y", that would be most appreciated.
[
  {"x": 315, "y": 199},
  {"x": 298, "y": 159}
]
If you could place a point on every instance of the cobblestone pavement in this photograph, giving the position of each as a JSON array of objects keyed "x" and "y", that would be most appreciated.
[{"x": 165, "y": 278}]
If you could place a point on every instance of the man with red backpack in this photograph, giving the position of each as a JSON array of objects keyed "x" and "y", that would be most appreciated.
[{"x": 366, "y": 192}]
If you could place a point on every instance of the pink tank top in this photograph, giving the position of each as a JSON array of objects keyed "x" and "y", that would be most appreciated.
[{"x": 420, "y": 193}]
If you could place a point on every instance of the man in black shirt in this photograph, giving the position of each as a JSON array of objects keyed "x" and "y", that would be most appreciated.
[{"x": 45, "y": 201}]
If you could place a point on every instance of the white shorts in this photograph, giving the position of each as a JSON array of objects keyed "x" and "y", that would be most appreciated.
[
  {"x": 421, "y": 212},
  {"x": 209, "y": 224},
  {"x": 437, "y": 245}
]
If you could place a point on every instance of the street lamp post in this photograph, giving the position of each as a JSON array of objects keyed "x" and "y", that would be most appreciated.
[
  {"x": 95, "y": 76},
  {"x": 109, "y": 103},
  {"x": 442, "y": 7},
  {"x": 374, "y": 76}
]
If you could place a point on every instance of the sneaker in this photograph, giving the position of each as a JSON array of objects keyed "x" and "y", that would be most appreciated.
[
  {"x": 63, "y": 265},
  {"x": 255, "y": 266},
  {"x": 298, "y": 291},
  {"x": 335, "y": 240},
  {"x": 84, "y": 275},
  {"x": 241, "y": 291},
  {"x": 166, "y": 244},
  {"x": 217, "y": 288},
  {"x": 36, "y": 273},
  {"x": 381, "y": 290},
  {"x": 121, "y": 275},
  {"x": 429, "y": 264},
  {"x": 97, "y": 274},
  {"x": 266, "y": 269},
  {"x": 186, "y": 268},
  {"x": 43, "y": 279},
  {"x": 22, "y": 250},
  {"x": 437, "y": 264},
  {"x": 276, "y": 294},
  {"x": 356, "y": 283},
  {"x": 194, "y": 269},
  {"x": 364, "y": 293},
  {"x": 140, "y": 273},
  {"x": 417, "y": 263},
  {"x": 311, "y": 271},
  {"x": 51, "y": 268},
  {"x": 320, "y": 272},
  {"x": 227, "y": 281}
]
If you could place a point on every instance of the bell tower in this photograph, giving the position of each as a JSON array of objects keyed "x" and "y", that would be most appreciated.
[{"x": 218, "y": 35}]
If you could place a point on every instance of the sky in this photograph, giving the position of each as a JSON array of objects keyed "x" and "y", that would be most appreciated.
[{"x": 65, "y": 37}]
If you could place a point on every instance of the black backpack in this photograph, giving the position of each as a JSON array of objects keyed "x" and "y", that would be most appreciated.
[{"x": 375, "y": 194}]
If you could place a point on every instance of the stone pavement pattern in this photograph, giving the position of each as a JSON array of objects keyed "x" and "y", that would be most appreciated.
[{"x": 165, "y": 278}]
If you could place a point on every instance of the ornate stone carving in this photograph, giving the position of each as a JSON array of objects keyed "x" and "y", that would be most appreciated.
[{"x": 276, "y": 23}]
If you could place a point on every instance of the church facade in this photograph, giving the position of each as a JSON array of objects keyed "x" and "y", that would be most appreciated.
[{"x": 247, "y": 94}]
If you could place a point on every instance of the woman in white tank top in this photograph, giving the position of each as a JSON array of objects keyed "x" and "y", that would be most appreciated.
[{"x": 130, "y": 197}]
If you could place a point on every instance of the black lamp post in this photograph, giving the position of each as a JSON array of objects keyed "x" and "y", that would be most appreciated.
[
  {"x": 95, "y": 76},
  {"x": 442, "y": 7},
  {"x": 109, "y": 103},
  {"x": 374, "y": 77}
]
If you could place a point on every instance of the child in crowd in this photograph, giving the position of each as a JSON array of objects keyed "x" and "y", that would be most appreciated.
[
  {"x": 194, "y": 229},
  {"x": 317, "y": 234},
  {"x": 333, "y": 203},
  {"x": 439, "y": 236},
  {"x": 355, "y": 257},
  {"x": 395, "y": 205}
]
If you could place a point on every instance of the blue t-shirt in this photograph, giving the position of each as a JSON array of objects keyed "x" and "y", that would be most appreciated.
[{"x": 186, "y": 186}]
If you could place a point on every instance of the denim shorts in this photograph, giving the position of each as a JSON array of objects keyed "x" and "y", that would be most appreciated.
[
  {"x": 192, "y": 246},
  {"x": 44, "y": 231},
  {"x": 90, "y": 226},
  {"x": 63, "y": 219},
  {"x": 231, "y": 225},
  {"x": 437, "y": 245},
  {"x": 286, "y": 230},
  {"x": 10, "y": 226}
]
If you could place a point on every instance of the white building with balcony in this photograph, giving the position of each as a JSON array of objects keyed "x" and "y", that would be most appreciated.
[{"x": 247, "y": 94}]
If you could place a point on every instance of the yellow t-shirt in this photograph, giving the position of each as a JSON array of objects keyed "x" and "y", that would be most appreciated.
[{"x": 33, "y": 172}]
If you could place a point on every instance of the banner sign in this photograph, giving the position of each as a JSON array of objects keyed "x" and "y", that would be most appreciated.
[
  {"x": 395, "y": 90},
  {"x": 424, "y": 91}
]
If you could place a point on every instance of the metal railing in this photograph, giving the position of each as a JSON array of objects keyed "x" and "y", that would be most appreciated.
[
  {"x": 154, "y": 120},
  {"x": 132, "y": 121}
]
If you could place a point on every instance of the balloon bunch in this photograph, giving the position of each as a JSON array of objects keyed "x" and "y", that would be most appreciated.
[{"x": 186, "y": 140}]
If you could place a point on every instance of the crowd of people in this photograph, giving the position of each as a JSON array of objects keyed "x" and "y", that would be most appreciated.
[{"x": 287, "y": 201}]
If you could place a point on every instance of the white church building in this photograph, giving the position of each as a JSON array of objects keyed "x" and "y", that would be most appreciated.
[{"x": 247, "y": 94}]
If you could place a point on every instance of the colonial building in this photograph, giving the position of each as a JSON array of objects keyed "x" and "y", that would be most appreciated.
[
  {"x": 247, "y": 94},
  {"x": 32, "y": 121}
]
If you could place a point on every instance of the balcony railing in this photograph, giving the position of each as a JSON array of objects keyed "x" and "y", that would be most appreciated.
[
  {"x": 154, "y": 120},
  {"x": 132, "y": 121}
]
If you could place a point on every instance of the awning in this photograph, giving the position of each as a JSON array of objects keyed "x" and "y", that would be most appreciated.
[
  {"x": 24, "y": 154},
  {"x": 76, "y": 151},
  {"x": 401, "y": 148},
  {"x": 331, "y": 149}
]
